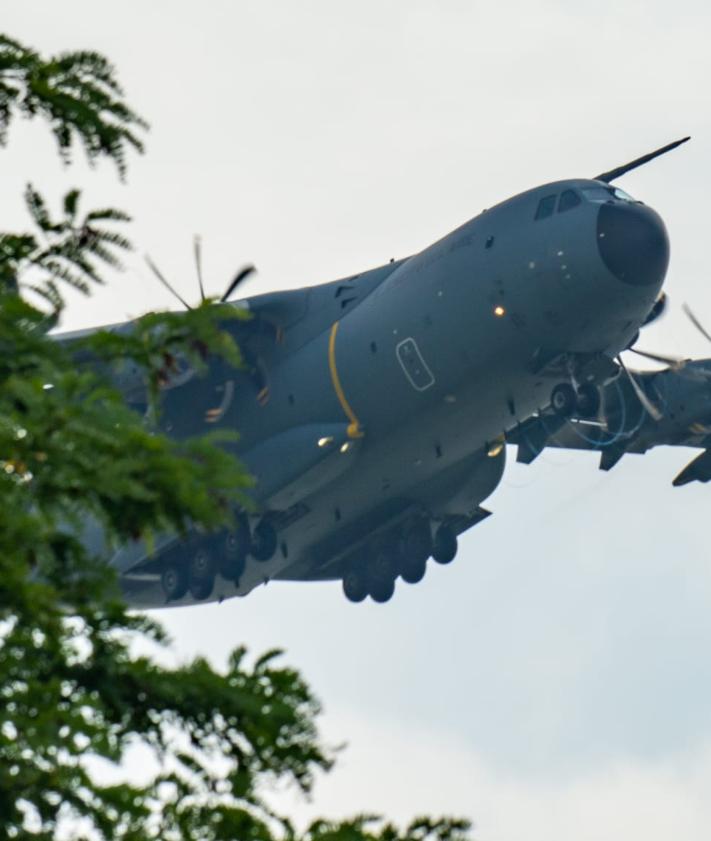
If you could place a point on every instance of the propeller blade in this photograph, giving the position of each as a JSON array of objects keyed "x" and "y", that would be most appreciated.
[
  {"x": 156, "y": 271},
  {"x": 695, "y": 321},
  {"x": 607, "y": 177},
  {"x": 650, "y": 408},
  {"x": 197, "y": 247},
  {"x": 658, "y": 310},
  {"x": 674, "y": 362},
  {"x": 240, "y": 277}
]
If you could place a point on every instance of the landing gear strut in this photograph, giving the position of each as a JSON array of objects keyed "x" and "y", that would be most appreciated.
[{"x": 588, "y": 400}]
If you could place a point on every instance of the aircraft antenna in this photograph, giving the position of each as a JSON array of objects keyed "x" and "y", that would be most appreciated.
[{"x": 607, "y": 177}]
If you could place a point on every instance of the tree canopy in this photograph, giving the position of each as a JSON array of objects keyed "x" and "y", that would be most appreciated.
[{"x": 73, "y": 690}]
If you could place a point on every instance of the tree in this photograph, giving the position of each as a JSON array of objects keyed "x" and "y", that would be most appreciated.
[{"x": 71, "y": 688}]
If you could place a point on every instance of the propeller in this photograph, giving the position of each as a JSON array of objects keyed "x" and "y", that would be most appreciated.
[
  {"x": 613, "y": 174},
  {"x": 674, "y": 362},
  {"x": 695, "y": 321},
  {"x": 657, "y": 311},
  {"x": 239, "y": 278},
  {"x": 197, "y": 249},
  {"x": 650, "y": 408},
  {"x": 157, "y": 272}
]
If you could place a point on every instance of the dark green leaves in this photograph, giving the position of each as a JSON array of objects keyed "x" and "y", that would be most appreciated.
[
  {"x": 77, "y": 93},
  {"x": 74, "y": 455}
]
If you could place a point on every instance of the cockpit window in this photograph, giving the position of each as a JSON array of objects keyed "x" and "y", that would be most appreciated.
[
  {"x": 568, "y": 200},
  {"x": 620, "y": 194},
  {"x": 546, "y": 206},
  {"x": 607, "y": 194}
]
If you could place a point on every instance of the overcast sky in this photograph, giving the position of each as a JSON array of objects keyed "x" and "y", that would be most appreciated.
[{"x": 555, "y": 681}]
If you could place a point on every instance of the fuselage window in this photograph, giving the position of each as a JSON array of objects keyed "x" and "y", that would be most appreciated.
[
  {"x": 546, "y": 206},
  {"x": 568, "y": 200}
]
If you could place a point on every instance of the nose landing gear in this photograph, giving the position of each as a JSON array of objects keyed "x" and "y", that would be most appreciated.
[{"x": 567, "y": 402}]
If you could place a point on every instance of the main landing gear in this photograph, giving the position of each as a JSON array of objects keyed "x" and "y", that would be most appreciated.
[
  {"x": 584, "y": 402},
  {"x": 193, "y": 567},
  {"x": 404, "y": 555}
]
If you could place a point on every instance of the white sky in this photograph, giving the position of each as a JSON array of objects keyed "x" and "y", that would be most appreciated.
[{"x": 555, "y": 681}]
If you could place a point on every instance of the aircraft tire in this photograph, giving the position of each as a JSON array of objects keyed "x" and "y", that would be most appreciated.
[
  {"x": 564, "y": 400},
  {"x": 413, "y": 569},
  {"x": 588, "y": 400},
  {"x": 201, "y": 588},
  {"x": 417, "y": 542},
  {"x": 355, "y": 587},
  {"x": 445, "y": 545},
  {"x": 382, "y": 566},
  {"x": 201, "y": 564},
  {"x": 264, "y": 542},
  {"x": 232, "y": 567},
  {"x": 233, "y": 547},
  {"x": 382, "y": 591},
  {"x": 174, "y": 581},
  {"x": 237, "y": 541}
]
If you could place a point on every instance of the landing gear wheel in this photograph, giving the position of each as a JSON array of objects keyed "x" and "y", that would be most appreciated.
[
  {"x": 380, "y": 576},
  {"x": 588, "y": 400},
  {"x": 417, "y": 542},
  {"x": 564, "y": 400},
  {"x": 445, "y": 545},
  {"x": 233, "y": 557},
  {"x": 355, "y": 588},
  {"x": 382, "y": 567},
  {"x": 201, "y": 588},
  {"x": 232, "y": 567},
  {"x": 413, "y": 569},
  {"x": 264, "y": 542},
  {"x": 382, "y": 591},
  {"x": 201, "y": 565},
  {"x": 174, "y": 581}
]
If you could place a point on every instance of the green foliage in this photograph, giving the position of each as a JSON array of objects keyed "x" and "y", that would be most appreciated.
[
  {"x": 77, "y": 93},
  {"x": 63, "y": 251},
  {"x": 74, "y": 690}
]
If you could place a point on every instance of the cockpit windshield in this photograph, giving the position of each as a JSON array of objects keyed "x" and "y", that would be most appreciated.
[{"x": 599, "y": 194}]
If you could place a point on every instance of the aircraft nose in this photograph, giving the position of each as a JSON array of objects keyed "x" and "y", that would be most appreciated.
[{"x": 633, "y": 243}]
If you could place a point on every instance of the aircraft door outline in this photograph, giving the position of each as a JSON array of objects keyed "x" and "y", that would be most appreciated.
[{"x": 413, "y": 364}]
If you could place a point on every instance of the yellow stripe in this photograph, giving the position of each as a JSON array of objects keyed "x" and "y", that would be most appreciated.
[{"x": 354, "y": 430}]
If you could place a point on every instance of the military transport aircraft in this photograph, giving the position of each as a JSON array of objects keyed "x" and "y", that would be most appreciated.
[{"x": 372, "y": 410}]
